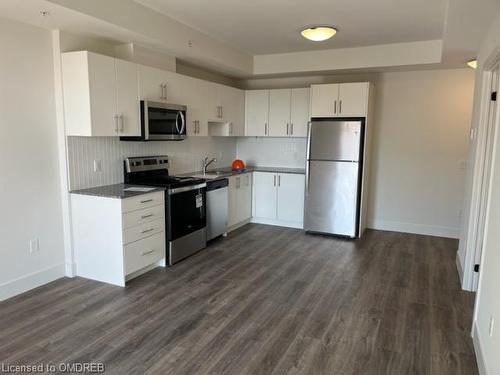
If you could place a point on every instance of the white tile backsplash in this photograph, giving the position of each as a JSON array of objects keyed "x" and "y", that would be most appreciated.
[
  {"x": 274, "y": 152},
  {"x": 184, "y": 156}
]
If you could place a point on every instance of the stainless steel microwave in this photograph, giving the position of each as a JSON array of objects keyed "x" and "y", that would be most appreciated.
[{"x": 161, "y": 122}]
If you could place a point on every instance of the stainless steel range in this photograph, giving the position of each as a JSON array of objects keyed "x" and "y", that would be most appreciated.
[{"x": 185, "y": 204}]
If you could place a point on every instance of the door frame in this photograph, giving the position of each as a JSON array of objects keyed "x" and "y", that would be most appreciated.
[{"x": 486, "y": 133}]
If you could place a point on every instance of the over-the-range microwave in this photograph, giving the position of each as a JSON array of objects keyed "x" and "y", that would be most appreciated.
[{"x": 161, "y": 122}]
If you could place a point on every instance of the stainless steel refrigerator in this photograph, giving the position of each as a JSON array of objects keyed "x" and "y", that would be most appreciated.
[{"x": 333, "y": 177}]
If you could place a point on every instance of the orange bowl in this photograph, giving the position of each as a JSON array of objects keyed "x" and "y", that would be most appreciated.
[{"x": 238, "y": 165}]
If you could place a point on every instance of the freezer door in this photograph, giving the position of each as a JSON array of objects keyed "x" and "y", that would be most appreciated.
[
  {"x": 335, "y": 140},
  {"x": 332, "y": 198}
]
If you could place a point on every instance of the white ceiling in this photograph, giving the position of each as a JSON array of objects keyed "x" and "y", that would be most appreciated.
[{"x": 272, "y": 26}]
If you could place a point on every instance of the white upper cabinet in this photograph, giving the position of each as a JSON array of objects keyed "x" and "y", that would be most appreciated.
[
  {"x": 127, "y": 98},
  {"x": 256, "y": 113},
  {"x": 353, "y": 99},
  {"x": 324, "y": 100},
  {"x": 197, "y": 106},
  {"x": 339, "y": 100},
  {"x": 98, "y": 95},
  {"x": 299, "y": 112},
  {"x": 279, "y": 112},
  {"x": 152, "y": 84}
]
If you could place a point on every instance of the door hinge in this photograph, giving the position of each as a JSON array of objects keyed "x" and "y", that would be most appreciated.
[
  {"x": 494, "y": 96},
  {"x": 476, "y": 267}
]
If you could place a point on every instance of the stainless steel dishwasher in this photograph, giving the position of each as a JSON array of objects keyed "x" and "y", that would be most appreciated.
[{"x": 217, "y": 207}]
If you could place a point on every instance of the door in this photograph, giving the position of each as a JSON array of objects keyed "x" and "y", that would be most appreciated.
[
  {"x": 186, "y": 213},
  {"x": 291, "y": 198},
  {"x": 232, "y": 218},
  {"x": 197, "y": 107},
  {"x": 177, "y": 91},
  {"x": 332, "y": 198},
  {"x": 102, "y": 85},
  {"x": 265, "y": 195},
  {"x": 152, "y": 83},
  {"x": 244, "y": 194},
  {"x": 335, "y": 140},
  {"x": 485, "y": 184},
  {"x": 324, "y": 100},
  {"x": 233, "y": 111},
  {"x": 353, "y": 100},
  {"x": 299, "y": 113},
  {"x": 256, "y": 113},
  {"x": 279, "y": 113},
  {"x": 127, "y": 98}
]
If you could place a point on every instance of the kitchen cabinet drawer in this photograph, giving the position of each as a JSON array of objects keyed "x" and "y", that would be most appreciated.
[
  {"x": 142, "y": 253},
  {"x": 143, "y": 201},
  {"x": 142, "y": 231},
  {"x": 139, "y": 217}
]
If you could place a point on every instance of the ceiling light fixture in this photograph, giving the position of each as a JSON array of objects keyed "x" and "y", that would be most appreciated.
[
  {"x": 319, "y": 33},
  {"x": 472, "y": 63}
]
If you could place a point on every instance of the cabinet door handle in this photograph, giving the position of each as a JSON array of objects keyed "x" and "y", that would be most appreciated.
[
  {"x": 231, "y": 128},
  {"x": 265, "y": 128},
  {"x": 122, "y": 126},
  {"x": 147, "y": 252},
  {"x": 279, "y": 180},
  {"x": 287, "y": 127},
  {"x": 221, "y": 112},
  {"x": 248, "y": 180},
  {"x": 335, "y": 107},
  {"x": 274, "y": 180},
  {"x": 147, "y": 200},
  {"x": 116, "y": 123},
  {"x": 146, "y": 216},
  {"x": 148, "y": 230},
  {"x": 340, "y": 106},
  {"x": 291, "y": 128}
]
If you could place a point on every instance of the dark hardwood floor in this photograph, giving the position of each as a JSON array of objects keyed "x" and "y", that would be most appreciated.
[{"x": 266, "y": 300}]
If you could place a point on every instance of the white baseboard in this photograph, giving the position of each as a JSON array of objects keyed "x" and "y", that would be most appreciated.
[
  {"x": 476, "y": 339},
  {"x": 70, "y": 269},
  {"x": 23, "y": 284},
  {"x": 278, "y": 223},
  {"x": 428, "y": 230}
]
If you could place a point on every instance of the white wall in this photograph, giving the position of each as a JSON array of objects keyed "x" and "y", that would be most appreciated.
[
  {"x": 184, "y": 156},
  {"x": 419, "y": 149},
  {"x": 488, "y": 301},
  {"x": 29, "y": 182},
  {"x": 273, "y": 152}
]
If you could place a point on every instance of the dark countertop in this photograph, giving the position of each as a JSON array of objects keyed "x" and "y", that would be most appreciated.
[
  {"x": 227, "y": 172},
  {"x": 115, "y": 191}
]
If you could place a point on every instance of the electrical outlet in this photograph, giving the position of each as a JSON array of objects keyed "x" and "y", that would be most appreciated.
[
  {"x": 97, "y": 166},
  {"x": 492, "y": 325},
  {"x": 34, "y": 246}
]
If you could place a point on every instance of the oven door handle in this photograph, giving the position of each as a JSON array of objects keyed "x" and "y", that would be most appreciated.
[
  {"x": 186, "y": 188},
  {"x": 183, "y": 122}
]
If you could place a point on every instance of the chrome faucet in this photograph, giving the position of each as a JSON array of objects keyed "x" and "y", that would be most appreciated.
[{"x": 205, "y": 163}]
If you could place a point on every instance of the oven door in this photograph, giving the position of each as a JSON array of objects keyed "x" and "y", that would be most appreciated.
[
  {"x": 163, "y": 121},
  {"x": 185, "y": 210}
]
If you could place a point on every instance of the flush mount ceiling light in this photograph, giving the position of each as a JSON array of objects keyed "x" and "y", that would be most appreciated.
[
  {"x": 472, "y": 63},
  {"x": 319, "y": 33}
]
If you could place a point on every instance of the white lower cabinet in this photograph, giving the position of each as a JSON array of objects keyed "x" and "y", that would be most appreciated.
[
  {"x": 116, "y": 240},
  {"x": 240, "y": 199},
  {"x": 278, "y": 198}
]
